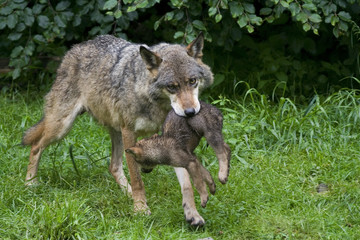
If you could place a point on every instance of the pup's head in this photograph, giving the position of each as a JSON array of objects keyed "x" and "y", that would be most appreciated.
[
  {"x": 141, "y": 157},
  {"x": 180, "y": 73}
]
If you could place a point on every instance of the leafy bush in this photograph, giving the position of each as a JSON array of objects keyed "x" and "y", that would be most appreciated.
[{"x": 32, "y": 30}]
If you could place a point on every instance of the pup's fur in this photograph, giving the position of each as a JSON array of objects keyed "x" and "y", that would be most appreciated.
[
  {"x": 129, "y": 88},
  {"x": 175, "y": 147}
]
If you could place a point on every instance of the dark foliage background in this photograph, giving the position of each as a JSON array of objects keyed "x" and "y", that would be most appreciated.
[{"x": 280, "y": 47}]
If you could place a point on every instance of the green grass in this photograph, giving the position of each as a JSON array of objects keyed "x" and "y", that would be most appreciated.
[{"x": 280, "y": 153}]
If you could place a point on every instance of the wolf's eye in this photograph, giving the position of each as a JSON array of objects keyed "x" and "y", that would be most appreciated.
[
  {"x": 171, "y": 88},
  {"x": 192, "y": 81}
]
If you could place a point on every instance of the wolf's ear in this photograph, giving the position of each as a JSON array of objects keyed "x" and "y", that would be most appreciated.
[
  {"x": 135, "y": 151},
  {"x": 194, "y": 49},
  {"x": 151, "y": 59}
]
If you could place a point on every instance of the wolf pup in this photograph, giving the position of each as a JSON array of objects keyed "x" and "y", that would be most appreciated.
[
  {"x": 129, "y": 88},
  {"x": 175, "y": 147}
]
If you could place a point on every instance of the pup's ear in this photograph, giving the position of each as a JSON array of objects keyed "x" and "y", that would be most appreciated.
[
  {"x": 194, "y": 49},
  {"x": 135, "y": 151},
  {"x": 151, "y": 59}
]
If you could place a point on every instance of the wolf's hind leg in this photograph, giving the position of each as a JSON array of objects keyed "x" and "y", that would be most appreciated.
[
  {"x": 191, "y": 214},
  {"x": 54, "y": 126},
  {"x": 116, "y": 164}
]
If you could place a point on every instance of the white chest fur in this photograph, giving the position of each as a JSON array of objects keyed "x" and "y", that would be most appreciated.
[{"x": 145, "y": 125}]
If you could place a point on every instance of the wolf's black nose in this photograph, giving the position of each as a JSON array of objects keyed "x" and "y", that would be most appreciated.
[{"x": 189, "y": 112}]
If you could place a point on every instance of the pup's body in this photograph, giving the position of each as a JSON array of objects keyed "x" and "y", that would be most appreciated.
[
  {"x": 175, "y": 147},
  {"x": 129, "y": 88}
]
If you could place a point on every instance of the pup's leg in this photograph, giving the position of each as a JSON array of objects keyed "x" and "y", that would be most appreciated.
[
  {"x": 54, "y": 126},
  {"x": 137, "y": 185},
  {"x": 188, "y": 202},
  {"x": 116, "y": 164},
  {"x": 222, "y": 151},
  {"x": 200, "y": 176}
]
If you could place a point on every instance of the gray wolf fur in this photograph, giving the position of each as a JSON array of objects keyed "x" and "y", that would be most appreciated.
[
  {"x": 129, "y": 88},
  {"x": 175, "y": 147}
]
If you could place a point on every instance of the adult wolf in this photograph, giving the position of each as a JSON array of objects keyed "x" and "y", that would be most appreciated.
[{"x": 129, "y": 88}]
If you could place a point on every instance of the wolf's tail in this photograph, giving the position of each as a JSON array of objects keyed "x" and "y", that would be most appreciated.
[{"x": 33, "y": 134}]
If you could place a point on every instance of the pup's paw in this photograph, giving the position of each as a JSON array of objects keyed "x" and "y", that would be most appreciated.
[
  {"x": 212, "y": 187},
  {"x": 204, "y": 199}
]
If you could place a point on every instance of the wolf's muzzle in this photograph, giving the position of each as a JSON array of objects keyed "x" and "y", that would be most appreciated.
[{"x": 189, "y": 112}]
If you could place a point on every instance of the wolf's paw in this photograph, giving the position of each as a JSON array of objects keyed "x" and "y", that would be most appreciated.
[
  {"x": 141, "y": 208},
  {"x": 31, "y": 182},
  {"x": 194, "y": 218}
]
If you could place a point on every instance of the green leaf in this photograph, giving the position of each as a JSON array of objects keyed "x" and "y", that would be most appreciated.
[
  {"x": 199, "y": 25},
  {"x": 157, "y": 23},
  {"x": 265, "y": 11},
  {"x": 43, "y": 21},
  {"x": 255, "y": 19},
  {"x": 3, "y": 22},
  {"x": 189, "y": 28},
  {"x": 218, "y": 17},
  {"x": 294, "y": 8},
  {"x": 16, "y": 51},
  {"x": 309, "y": 6},
  {"x": 242, "y": 21},
  {"x": 334, "y": 20},
  {"x": 110, "y": 4},
  {"x": 169, "y": 16},
  {"x": 29, "y": 18},
  {"x": 39, "y": 38},
  {"x": 131, "y": 9},
  {"x": 315, "y": 18},
  {"x": 302, "y": 17},
  {"x": 37, "y": 8},
  {"x": 306, "y": 27},
  {"x": 94, "y": 30},
  {"x": 12, "y": 20},
  {"x": 77, "y": 21},
  {"x": 59, "y": 22},
  {"x": 212, "y": 11},
  {"x": 343, "y": 26},
  {"x": 29, "y": 49},
  {"x": 61, "y": 6},
  {"x": 5, "y": 10},
  {"x": 14, "y": 36},
  {"x": 20, "y": 27},
  {"x": 179, "y": 15},
  {"x": 236, "y": 9},
  {"x": 16, "y": 73},
  {"x": 142, "y": 4},
  {"x": 250, "y": 28},
  {"x": 344, "y": 16},
  {"x": 249, "y": 7},
  {"x": 284, "y": 4},
  {"x": 178, "y": 34},
  {"x": 118, "y": 14}
]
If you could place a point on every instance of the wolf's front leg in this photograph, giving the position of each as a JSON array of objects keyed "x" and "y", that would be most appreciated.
[
  {"x": 137, "y": 185},
  {"x": 190, "y": 211}
]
